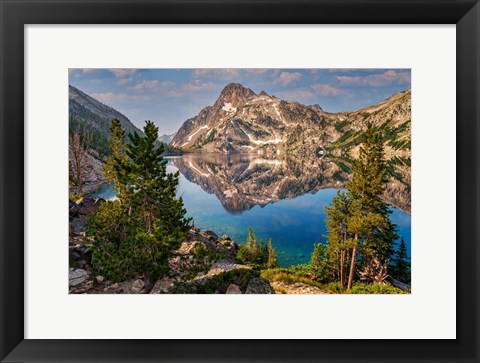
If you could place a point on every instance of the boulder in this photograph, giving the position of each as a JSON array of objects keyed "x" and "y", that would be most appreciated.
[
  {"x": 88, "y": 205},
  {"x": 162, "y": 286},
  {"x": 72, "y": 209},
  {"x": 138, "y": 285},
  {"x": 76, "y": 277},
  {"x": 132, "y": 286},
  {"x": 218, "y": 268},
  {"x": 259, "y": 285},
  {"x": 212, "y": 236},
  {"x": 400, "y": 285},
  {"x": 78, "y": 225},
  {"x": 233, "y": 289}
]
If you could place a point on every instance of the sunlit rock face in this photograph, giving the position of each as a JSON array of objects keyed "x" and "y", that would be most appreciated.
[
  {"x": 242, "y": 181},
  {"x": 292, "y": 148},
  {"x": 241, "y": 121}
]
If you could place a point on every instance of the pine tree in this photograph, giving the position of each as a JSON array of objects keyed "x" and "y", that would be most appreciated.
[
  {"x": 254, "y": 252},
  {"x": 77, "y": 158},
  {"x": 138, "y": 232},
  {"x": 319, "y": 262},
  {"x": 251, "y": 242},
  {"x": 337, "y": 236},
  {"x": 117, "y": 161},
  {"x": 401, "y": 263},
  {"x": 369, "y": 220},
  {"x": 272, "y": 255}
]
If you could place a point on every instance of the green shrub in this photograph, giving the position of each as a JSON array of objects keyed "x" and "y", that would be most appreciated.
[
  {"x": 289, "y": 276},
  {"x": 335, "y": 288},
  {"x": 363, "y": 288}
]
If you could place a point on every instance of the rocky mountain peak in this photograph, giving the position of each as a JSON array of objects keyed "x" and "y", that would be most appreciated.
[
  {"x": 235, "y": 93},
  {"x": 316, "y": 107}
]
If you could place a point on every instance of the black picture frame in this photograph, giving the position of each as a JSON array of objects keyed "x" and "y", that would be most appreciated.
[{"x": 15, "y": 14}]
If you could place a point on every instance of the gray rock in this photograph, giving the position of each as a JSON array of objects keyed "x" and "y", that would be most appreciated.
[
  {"x": 162, "y": 286},
  {"x": 400, "y": 285},
  {"x": 87, "y": 205},
  {"x": 100, "y": 279},
  {"x": 233, "y": 289},
  {"x": 78, "y": 224},
  {"x": 211, "y": 235},
  {"x": 138, "y": 285},
  {"x": 76, "y": 277},
  {"x": 72, "y": 209},
  {"x": 259, "y": 285}
]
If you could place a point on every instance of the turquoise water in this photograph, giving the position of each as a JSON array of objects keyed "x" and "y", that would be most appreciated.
[{"x": 294, "y": 224}]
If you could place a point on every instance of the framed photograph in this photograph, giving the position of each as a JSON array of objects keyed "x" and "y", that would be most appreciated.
[{"x": 301, "y": 154}]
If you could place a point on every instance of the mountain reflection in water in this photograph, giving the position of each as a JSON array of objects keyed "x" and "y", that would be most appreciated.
[
  {"x": 241, "y": 181},
  {"x": 282, "y": 198}
]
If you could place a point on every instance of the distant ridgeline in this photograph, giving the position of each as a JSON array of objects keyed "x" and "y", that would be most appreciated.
[{"x": 91, "y": 120}]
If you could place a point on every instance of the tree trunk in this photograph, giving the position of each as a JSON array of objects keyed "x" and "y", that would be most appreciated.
[
  {"x": 342, "y": 264},
  {"x": 352, "y": 266}
]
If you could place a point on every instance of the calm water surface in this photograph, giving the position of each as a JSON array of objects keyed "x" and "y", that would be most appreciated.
[{"x": 278, "y": 199}]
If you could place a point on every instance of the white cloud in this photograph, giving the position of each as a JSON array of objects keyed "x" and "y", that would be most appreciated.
[
  {"x": 174, "y": 94},
  {"x": 123, "y": 72},
  {"x": 147, "y": 84},
  {"x": 198, "y": 86},
  {"x": 296, "y": 94},
  {"x": 288, "y": 77},
  {"x": 223, "y": 73},
  {"x": 109, "y": 97},
  {"x": 124, "y": 81},
  {"x": 377, "y": 80},
  {"x": 326, "y": 89}
]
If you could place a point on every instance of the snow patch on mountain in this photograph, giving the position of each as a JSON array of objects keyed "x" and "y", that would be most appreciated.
[
  {"x": 200, "y": 128},
  {"x": 228, "y": 107}
]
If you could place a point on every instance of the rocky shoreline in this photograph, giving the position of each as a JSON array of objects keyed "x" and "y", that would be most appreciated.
[{"x": 204, "y": 263}]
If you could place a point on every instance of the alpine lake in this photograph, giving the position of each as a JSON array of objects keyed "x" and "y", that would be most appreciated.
[{"x": 280, "y": 198}]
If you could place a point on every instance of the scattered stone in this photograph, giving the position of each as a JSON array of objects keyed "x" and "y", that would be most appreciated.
[
  {"x": 78, "y": 224},
  {"x": 114, "y": 286},
  {"x": 233, "y": 289},
  {"x": 259, "y": 285},
  {"x": 76, "y": 277},
  {"x": 211, "y": 235},
  {"x": 218, "y": 269},
  {"x": 138, "y": 285},
  {"x": 88, "y": 205},
  {"x": 100, "y": 279},
  {"x": 162, "y": 286},
  {"x": 296, "y": 288},
  {"x": 72, "y": 209}
]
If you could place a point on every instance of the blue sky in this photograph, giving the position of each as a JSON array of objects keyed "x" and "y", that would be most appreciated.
[{"x": 168, "y": 97}]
